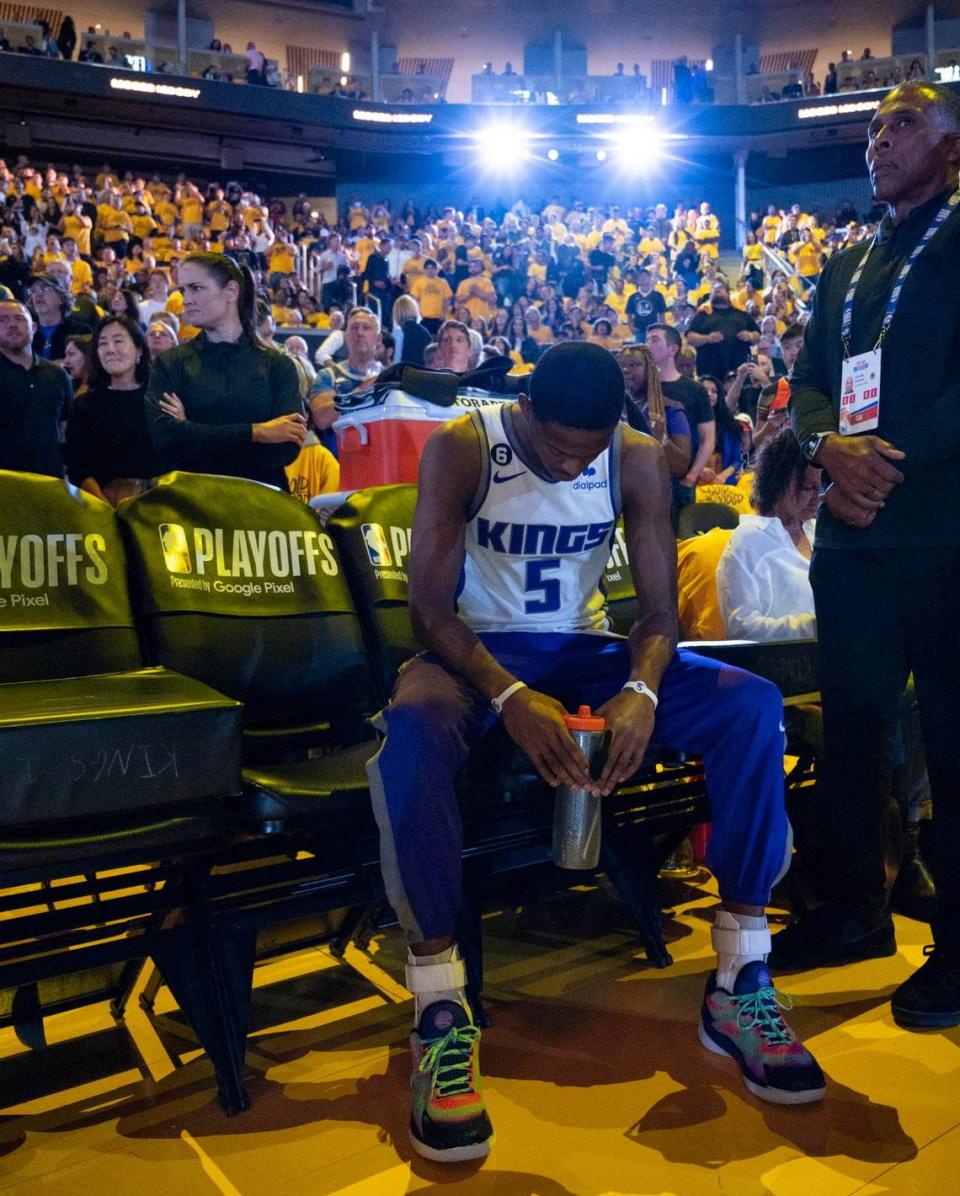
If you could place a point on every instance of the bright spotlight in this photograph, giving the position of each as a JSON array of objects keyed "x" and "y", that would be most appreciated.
[
  {"x": 601, "y": 155},
  {"x": 637, "y": 149},
  {"x": 553, "y": 154},
  {"x": 502, "y": 146}
]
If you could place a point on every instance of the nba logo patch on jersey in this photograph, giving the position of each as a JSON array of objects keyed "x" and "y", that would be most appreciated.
[{"x": 378, "y": 546}]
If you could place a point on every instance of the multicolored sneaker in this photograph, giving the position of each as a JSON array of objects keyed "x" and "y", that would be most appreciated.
[
  {"x": 448, "y": 1120},
  {"x": 748, "y": 1026}
]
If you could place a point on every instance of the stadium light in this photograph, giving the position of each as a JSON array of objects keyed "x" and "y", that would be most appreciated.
[
  {"x": 601, "y": 155},
  {"x": 637, "y": 150},
  {"x": 553, "y": 154},
  {"x": 502, "y": 146},
  {"x": 345, "y": 62}
]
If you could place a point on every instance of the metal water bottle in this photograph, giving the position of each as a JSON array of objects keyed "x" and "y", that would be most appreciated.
[{"x": 576, "y": 812}]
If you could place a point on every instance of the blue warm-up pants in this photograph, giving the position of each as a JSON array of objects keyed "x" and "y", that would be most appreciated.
[{"x": 731, "y": 718}]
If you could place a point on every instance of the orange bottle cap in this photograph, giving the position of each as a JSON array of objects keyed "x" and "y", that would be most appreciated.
[{"x": 584, "y": 720}]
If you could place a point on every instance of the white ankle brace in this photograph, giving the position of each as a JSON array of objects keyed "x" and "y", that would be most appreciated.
[
  {"x": 737, "y": 939},
  {"x": 440, "y": 977}
]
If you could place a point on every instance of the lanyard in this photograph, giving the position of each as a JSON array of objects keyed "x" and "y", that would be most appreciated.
[{"x": 932, "y": 230}]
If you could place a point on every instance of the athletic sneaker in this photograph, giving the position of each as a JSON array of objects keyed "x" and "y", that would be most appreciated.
[
  {"x": 748, "y": 1026},
  {"x": 448, "y": 1120}
]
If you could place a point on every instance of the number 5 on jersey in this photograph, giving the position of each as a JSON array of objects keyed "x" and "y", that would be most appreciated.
[{"x": 548, "y": 587}]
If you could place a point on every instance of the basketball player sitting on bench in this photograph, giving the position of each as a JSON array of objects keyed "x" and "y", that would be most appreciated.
[{"x": 517, "y": 506}]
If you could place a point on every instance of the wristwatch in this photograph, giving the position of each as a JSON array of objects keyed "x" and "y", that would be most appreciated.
[
  {"x": 641, "y": 687},
  {"x": 810, "y": 445}
]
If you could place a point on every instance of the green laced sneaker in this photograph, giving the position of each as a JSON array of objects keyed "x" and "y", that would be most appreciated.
[
  {"x": 748, "y": 1026},
  {"x": 448, "y": 1119}
]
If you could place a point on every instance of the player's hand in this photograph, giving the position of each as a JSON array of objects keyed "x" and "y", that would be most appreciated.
[
  {"x": 285, "y": 429},
  {"x": 535, "y": 722},
  {"x": 861, "y": 467},
  {"x": 629, "y": 717}
]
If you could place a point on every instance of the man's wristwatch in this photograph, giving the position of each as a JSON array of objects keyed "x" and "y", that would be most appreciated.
[
  {"x": 810, "y": 445},
  {"x": 641, "y": 687}
]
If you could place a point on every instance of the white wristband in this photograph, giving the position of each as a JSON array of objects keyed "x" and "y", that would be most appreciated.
[
  {"x": 498, "y": 701},
  {"x": 641, "y": 687}
]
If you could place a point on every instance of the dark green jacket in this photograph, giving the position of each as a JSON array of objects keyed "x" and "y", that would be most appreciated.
[
  {"x": 225, "y": 388},
  {"x": 920, "y": 377}
]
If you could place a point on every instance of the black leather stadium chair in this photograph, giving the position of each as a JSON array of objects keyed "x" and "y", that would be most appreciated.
[
  {"x": 698, "y": 517},
  {"x": 622, "y": 605},
  {"x": 104, "y": 790},
  {"x": 239, "y": 585}
]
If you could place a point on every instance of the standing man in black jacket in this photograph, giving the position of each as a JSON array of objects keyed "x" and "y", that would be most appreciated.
[
  {"x": 876, "y": 403},
  {"x": 34, "y": 398},
  {"x": 377, "y": 277}
]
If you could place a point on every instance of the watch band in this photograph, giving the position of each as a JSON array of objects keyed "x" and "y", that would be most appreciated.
[
  {"x": 811, "y": 445},
  {"x": 641, "y": 687},
  {"x": 498, "y": 701}
]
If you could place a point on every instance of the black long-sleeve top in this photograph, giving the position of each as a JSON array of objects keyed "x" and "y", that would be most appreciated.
[
  {"x": 107, "y": 437},
  {"x": 225, "y": 388},
  {"x": 919, "y": 383}
]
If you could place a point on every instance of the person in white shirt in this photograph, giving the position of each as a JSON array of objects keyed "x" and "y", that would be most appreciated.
[
  {"x": 763, "y": 583},
  {"x": 262, "y": 237},
  {"x": 397, "y": 258},
  {"x": 332, "y": 342},
  {"x": 156, "y": 298}
]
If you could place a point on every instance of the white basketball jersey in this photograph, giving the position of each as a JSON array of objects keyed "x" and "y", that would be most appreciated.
[{"x": 536, "y": 548}]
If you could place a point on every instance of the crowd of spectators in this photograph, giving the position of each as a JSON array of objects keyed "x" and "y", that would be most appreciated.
[
  {"x": 506, "y": 282},
  {"x": 125, "y": 53},
  {"x": 691, "y": 82},
  {"x": 847, "y": 75}
]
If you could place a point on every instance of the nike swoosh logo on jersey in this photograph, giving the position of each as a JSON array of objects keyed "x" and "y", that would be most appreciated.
[{"x": 507, "y": 477}]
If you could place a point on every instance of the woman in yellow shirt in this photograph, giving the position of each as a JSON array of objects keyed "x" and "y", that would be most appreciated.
[
  {"x": 77, "y": 226},
  {"x": 191, "y": 212},
  {"x": 752, "y": 270},
  {"x": 282, "y": 259},
  {"x": 807, "y": 256}
]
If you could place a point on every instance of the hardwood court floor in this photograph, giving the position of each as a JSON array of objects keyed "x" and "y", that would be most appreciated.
[{"x": 595, "y": 1081}]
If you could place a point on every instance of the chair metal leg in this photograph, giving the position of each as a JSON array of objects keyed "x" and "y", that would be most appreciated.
[
  {"x": 212, "y": 987},
  {"x": 469, "y": 935},
  {"x": 631, "y": 863}
]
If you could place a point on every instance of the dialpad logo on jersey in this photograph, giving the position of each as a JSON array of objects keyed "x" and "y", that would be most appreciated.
[
  {"x": 587, "y": 480},
  {"x": 242, "y": 561},
  {"x": 387, "y": 549},
  {"x": 541, "y": 539},
  {"x": 33, "y": 565}
]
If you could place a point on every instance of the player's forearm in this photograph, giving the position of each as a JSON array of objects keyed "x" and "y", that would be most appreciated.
[
  {"x": 451, "y": 640},
  {"x": 653, "y": 640}
]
